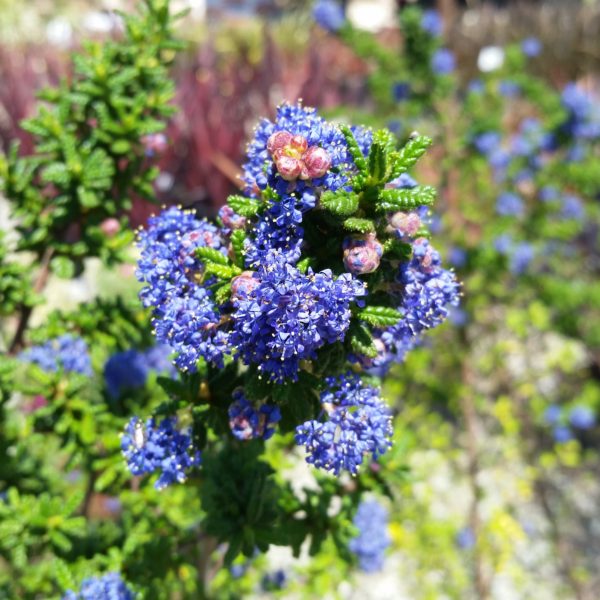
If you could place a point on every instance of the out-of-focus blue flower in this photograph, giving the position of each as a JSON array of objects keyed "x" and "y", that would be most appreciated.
[
  {"x": 443, "y": 62},
  {"x": 358, "y": 425},
  {"x": 465, "y": 538},
  {"x": 487, "y": 142},
  {"x": 373, "y": 538},
  {"x": 67, "y": 353},
  {"x": 562, "y": 434},
  {"x": 329, "y": 14},
  {"x": 552, "y": 414},
  {"x": 572, "y": 208},
  {"x": 584, "y": 114},
  {"x": 150, "y": 447},
  {"x": 476, "y": 86},
  {"x": 503, "y": 243},
  {"x": 457, "y": 257},
  {"x": 582, "y": 417},
  {"x": 509, "y": 89},
  {"x": 458, "y": 317},
  {"x": 107, "y": 587},
  {"x": 401, "y": 91},
  {"x": 548, "y": 193},
  {"x": 432, "y": 23},
  {"x": 509, "y": 205},
  {"x": 130, "y": 369},
  {"x": 531, "y": 47},
  {"x": 521, "y": 257},
  {"x": 276, "y": 580}
]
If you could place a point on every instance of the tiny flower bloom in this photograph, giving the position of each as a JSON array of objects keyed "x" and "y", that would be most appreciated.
[
  {"x": 244, "y": 284},
  {"x": 248, "y": 422},
  {"x": 278, "y": 140},
  {"x": 329, "y": 14},
  {"x": 362, "y": 255},
  {"x": 289, "y": 168},
  {"x": 230, "y": 218},
  {"x": 155, "y": 143},
  {"x": 531, "y": 47},
  {"x": 406, "y": 224},
  {"x": 443, "y": 62}
]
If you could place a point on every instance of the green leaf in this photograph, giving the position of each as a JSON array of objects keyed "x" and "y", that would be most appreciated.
[
  {"x": 377, "y": 163},
  {"x": 238, "y": 237},
  {"x": 57, "y": 173},
  {"x": 62, "y": 267},
  {"x": 354, "y": 149},
  {"x": 221, "y": 271},
  {"x": 380, "y": 316},
  {"x": 171, "y": 386},
  {"x": 211, "y": 255},
  {"x": 405, "y": 199},
  {"x": 120, "y": 147},
  {"x": 360, "y": 225},
  {"x": 246, "y": 207},
  {"x": 397, "y": 249},
  {"x": 87, "y": 198},
  {"x": 361, "y": 340},
  {"x": 406, "y": 158},
  {"x": 303, "y": 265},
  {"x": 63, "y": 575},
  {"x": 223, "y": 293},
  {"x": 342, "y": 204}
]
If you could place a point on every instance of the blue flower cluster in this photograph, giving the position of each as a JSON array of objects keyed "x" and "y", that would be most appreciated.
[
  {"x": 358, "y": 425},
  {"x": 443, "y": 61},
  {"x": 150, "y": 447},
  {"x": 289, "y": 315},
  {"x": 185, "y": 316},
  {"x": 248, "y": 422},
  {"x": 563, "y": 421},
  {"x": 520, "y": 254},
  {"x": 373, "y": 539},
  {"x": 583, "y": 119},
  {"x": 432, "y": 23},
  {"x": 107, "y": 587},
  {"x": 280, "y": 226},
  {"x": 130, "y": 369},
  {"x": 66, "y": 353}
]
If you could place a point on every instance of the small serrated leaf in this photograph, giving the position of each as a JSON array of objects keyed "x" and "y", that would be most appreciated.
[
  {"x": 361, "y": 341},
  {"x": 208, "y": 254},
  {"x": 223, "y": 293},
  {"x": 405, "y": 199},
  {"x": 380, "y": 316},
  {"x": 359, "y": 225},
  {"x": 246, "y": 207},
  {"x": 377, "y": 163},
  {"x": 354, "y": 149},
  {"x": 405, "y": 158},
  {"x": 342, "y": 204}
]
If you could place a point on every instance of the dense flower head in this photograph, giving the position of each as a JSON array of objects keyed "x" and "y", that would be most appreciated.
[
  {"x": 185, "y": 316},
  {"x": 130, "y": 369},
  {"x": 329, "y": 14},
  {"x": 583, "y": 113},
  {"x": 487, "y": 142},
  {"x": 150, "y": 447},
  {"x": 373, "y": 539},
  {"x": 249, "y": 422},
  {"x": 509, "y": 89},
  {"x": 66, "y": 353},
  {"x": 443, "y": 62},
  {"x": 401, "y": 91},
  {"x": 107, "y": 587},
  {"x": 362, "y": 254},
  {"x": 289, "y": 315},
  {"x": 582, "y": 417},
  {"x": 357, "y": 425}
]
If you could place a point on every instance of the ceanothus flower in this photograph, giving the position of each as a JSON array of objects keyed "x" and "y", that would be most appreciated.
[
  {"x": 358, "y": 425},
  {"x": 443, "y": 62},
  {"x": 509, "y": 204},
  {"x": 329, "y": 14},
  {"x": 149, "y": 448},
  {"x": 66, "y": 352},
  {"x": 373, "y": 538},
  {"x": 185, "y": 315},
  {"x": 531, "y": 47},
  {"x": 582, "y": 417},
  {"x": 299, "y": 155},
  {"x": 401, "y": 91},
  {"x": 487, "y": 142},
  {"x": 107, "y": 587},
  {"x": 289, "y": 315},
  {"x": 362, "y": 254},
  {"x": 130, "y": 369},
  {"x": 248, "y": 422},
  {"x": 432, "y": 23}
]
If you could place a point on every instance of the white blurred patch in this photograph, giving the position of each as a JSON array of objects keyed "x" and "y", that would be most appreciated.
[
  {"x": 372, "y": 15},
  {"x": 59, "y": 32},
  {"x": 490, "y": 58}
]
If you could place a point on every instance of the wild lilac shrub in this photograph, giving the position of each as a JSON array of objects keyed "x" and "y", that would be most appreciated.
[{"x": 302, "y": 278}]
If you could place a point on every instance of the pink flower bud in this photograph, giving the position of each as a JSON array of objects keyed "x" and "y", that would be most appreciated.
[
  {"x": 299, "y": 144},
  {"x": 405, "y": 223},
  {"x": 230, "y": 218},
  {"x": 155, "y": 143},
  {"x": 278, "y": 140},
  {"x": 243, "y": 285},
  {"x": 317, "y": 162},
  {"x": 110, "y": 227},
  {"x": 289, "y": 168},
  {"x": 362, "y": 255}
]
